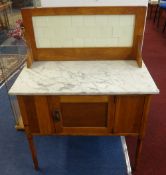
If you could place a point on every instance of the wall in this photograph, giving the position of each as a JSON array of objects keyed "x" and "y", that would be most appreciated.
[{"x": 61, "y": 3}]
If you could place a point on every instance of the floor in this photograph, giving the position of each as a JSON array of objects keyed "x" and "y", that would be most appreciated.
[{"x": 153, "y": 161}]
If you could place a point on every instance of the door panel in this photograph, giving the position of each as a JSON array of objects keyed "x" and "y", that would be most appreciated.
[
  {"x": 128, "y": 115},
  {"x": 84, "y": 114}
]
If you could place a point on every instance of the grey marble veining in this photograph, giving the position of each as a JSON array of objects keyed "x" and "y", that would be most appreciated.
[{"x": 84, "y": 78}]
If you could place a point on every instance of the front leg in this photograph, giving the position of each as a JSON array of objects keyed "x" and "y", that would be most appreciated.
[
  {"x": 33, "y": 150},
  {"x": 138, "y": 153}
]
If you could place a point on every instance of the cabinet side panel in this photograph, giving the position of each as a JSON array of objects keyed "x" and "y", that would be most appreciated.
[
  {"x": 128, "y": 115},
  {"x": 28, "y": 112}
]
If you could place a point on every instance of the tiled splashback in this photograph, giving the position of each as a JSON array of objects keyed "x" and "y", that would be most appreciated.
[{"x": 84, "y": 31}]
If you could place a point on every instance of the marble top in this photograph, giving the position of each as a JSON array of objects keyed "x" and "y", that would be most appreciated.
[
  {"x": 85, "y": 3},
  {"x": 84, "y": 78}
]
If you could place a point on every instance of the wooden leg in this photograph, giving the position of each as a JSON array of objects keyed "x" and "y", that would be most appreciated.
[
  {"x": 164, "y": 26},
  {"x": 33, "y": 151},
  {"x": 138, "y": 153},
  {"x": 155, "y": 15},
  {"x": 1, "y": 22},
  {"x": 158, "y": 18},
  {"x": 150, "y": 10},
  {"x": 7, "y": 19}
]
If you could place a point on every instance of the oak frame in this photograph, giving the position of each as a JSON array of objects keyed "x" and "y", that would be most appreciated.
[{"x": 97, "y": 53}]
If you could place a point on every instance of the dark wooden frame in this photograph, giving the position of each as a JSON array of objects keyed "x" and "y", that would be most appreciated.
[{"x": 97, "y": 53}]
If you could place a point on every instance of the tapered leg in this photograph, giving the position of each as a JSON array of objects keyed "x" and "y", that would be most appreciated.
[
  {"x": 150, "y": 10},
  {"x": 164, "y": 26},
  {"x": 138, "y": 152},
  {"x": 158, "y": 18},
  {"x": 155, "y": 15},
  {"x": 33, "y": 151}
]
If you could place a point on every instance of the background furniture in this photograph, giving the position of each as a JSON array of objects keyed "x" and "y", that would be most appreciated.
[
  {"x": 162, "y": 7},
  {"x": 159, "y": 9},
  {"x": 151, "y": 5},
  {"x": 22, "y": 3},
  {"x": 4, "y": 21}
]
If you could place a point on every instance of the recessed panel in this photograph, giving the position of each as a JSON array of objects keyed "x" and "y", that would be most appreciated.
[{"x": 84, "y": 114}]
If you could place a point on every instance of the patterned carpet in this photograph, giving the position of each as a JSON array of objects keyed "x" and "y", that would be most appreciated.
[
  {"x": 12, "y": 51},
  {"x": 9, "y": 64}
]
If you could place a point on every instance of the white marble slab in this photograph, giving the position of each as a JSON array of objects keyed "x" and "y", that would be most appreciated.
[
  {"x": 85, "y": 3},
  {"x": 84, "y": 78}
]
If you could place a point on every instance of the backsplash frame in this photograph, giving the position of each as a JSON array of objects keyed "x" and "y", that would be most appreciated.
[{"x": 87, "y": 53}]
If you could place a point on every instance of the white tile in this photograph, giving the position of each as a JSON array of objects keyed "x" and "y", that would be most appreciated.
[
  {"x": 89, "y": 20},
  {"x": 61, "y": 33},
  {"x": 44, "y": 43},
  {"x": 67, "y": 43},
  {"x": 56, "y": 41},
  {"x": 114, "y": 20},
  {"x": 72, "y": 32},
  {"x": 126, "y": 31},
  {"x": 125, "y": 42},
  {"x": 112, "y": 42},
  {"x": 38, "y": 21},
  {"x": 116, "y": 31},
  {"x": 101, "y": 43},
  {"x": 126, "y": 20},
  {"x": 77, "y": 20},
  {"x": 92, "y": 30},
  {"x": 82, "y": 32},
  {"x": 89, "y": 42},
  {"x": 101, "y": 20},
  {"x": 78, "y": 42},
  {"x": 106, "y": 32},
  {"x": 133, "y": 20}
]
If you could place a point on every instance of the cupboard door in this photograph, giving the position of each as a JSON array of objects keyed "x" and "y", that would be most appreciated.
[
  {"x": 83, "y": 114},
  {"x": 128, "y": 115}
]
